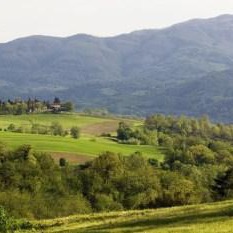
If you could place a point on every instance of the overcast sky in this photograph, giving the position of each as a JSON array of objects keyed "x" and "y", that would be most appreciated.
[{"x": 19, "y": 18}]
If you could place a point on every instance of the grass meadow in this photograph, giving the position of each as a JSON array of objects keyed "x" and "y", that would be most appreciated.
[
  {"x": 87, "y": 146},
  {"x": 203, "y": 218}
]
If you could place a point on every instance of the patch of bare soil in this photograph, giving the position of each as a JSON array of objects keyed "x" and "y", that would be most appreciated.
[
  {"x": 71, "y": 158},
  {"x": 98, "y": 129}
]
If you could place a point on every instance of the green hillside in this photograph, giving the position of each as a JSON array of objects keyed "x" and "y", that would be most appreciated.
[
  {"x": 89, "y": 145},
  {"x": 205, "y": 218},
  {"x": 67, "y": 120}
]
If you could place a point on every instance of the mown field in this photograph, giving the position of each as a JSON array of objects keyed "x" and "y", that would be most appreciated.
[
  {"x": 205, "y": 218},
  {"x": 87, "y": 146},
  {"x": 87, "y": 123}
]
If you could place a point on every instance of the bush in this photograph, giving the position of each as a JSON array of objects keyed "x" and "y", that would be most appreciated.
[
  {"x": 11, "y": 127},
  {"x": 133, "y": 141},
  {"x": 105, "y": 202},
  {"x": 39, "y": 129},
  {"x": 3, "y": 220},
  {"x": 107, "y": 135},
  {"x": 19, "y": 130},
  {"x": 25, "y": 225},
  {"x": 178, "y": 190},
  {"x": 153, "y": 162},
  {"x": 165, "y": 140},
  {"x": 57, "y": 129},
  {"x": 124, "y": 132},
  {"x": 62, "y": 162},
  {"x": 6, "y": 222},
  {"x": 75, "y": 132}
]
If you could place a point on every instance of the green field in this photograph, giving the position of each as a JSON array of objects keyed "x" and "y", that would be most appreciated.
[
  {"x": 206, "y": 218},
  {"x": 89, "y": 145},
  {"x": 67, "y": 121}
]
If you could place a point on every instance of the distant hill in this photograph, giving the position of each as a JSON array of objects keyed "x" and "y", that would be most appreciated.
[{"x": 184, "y": 69}]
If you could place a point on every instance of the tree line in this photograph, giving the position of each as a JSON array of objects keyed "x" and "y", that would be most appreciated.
[
  {"x": 19, "y": 106},
  {"x": 33, "y": 186},
  {"x": 55, "y": 129}
]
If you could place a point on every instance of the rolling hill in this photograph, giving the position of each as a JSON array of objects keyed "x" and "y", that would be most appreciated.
[
  {"x": 183, "y": 69},
  {"x": 87, "y": 147}
]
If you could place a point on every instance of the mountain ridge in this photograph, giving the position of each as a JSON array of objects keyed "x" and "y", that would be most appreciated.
[
  {"x": 130, "y": 73},
  {"x": 223, "y": 16}
]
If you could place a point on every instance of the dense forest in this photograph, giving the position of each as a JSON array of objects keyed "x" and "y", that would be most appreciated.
[{"x": 197, "y": 168}]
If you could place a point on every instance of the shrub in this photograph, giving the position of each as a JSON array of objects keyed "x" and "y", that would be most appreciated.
[
  {"x": 124, "y": 132},
  {"x": 75, "y": 132},
  {"x": 133, "y": 141},
  {"x": 105, "y": 202},
  {"x": 3, "y": 220},
  {"x": 107, "y": 135},
  {"x": 62, "y": 162},
  {"x": 56, "y": 129},
  {"x": 19, "y": 130},
  {"x": 6, "y": 222},
  {"x": 11, "y": 127}
]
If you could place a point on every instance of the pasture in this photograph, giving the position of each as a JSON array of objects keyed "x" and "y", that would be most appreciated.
[
  {"x": 86, "y": 147},
  {"x": 203, "y": 218},
  {"x": 89, "y": 125}
]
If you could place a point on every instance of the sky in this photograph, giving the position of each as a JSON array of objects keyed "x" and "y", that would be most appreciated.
[{"x": 20, "y": 18}]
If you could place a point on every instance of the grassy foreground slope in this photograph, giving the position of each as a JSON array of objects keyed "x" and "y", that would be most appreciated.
[{"x": 205, "y": 218}]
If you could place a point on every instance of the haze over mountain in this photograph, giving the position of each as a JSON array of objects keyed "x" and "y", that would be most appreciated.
[{"x": 184, "y": 69}]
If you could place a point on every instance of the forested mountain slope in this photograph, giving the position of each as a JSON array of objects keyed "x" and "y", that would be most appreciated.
[{"x": 186, "y": 68}]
